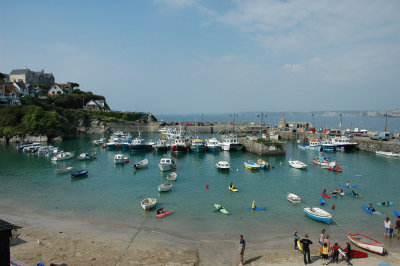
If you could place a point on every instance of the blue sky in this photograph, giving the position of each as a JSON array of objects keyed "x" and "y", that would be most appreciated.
[{"x": 181, "y": 56}]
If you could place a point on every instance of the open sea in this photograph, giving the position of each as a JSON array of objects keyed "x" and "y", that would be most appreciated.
[{"x": 114, "y": 192}]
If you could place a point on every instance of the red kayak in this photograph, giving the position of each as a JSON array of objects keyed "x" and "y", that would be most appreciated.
[
  {"x": 356, "y": 253},
  {"x": 164, "y": 213},
  {"x": 325, "y": 195},
  {"x": 336, "y": 168}
]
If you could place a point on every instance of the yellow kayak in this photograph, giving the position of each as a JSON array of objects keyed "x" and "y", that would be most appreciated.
[{"x": 233, "y": 189}]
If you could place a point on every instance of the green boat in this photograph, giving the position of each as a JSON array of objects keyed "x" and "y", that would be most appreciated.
[{"x": 221, "y": 208}]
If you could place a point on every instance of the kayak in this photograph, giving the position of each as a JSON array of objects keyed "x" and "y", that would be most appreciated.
[
  {"x": 386, "y": 203},
  {"x": 336, "y": 168},
  {"x": 258, "y": 208},
  {"x": 325, "y": 195},
  {"x": 366, "y": 209},
  {"x": 322, "y": 202},
  {"x": 396, "y": 213},
  {"x": 356, "y": 253},
  {"x": 221, "y": 209},
  {"x": 233, "y": 189},
  {"x": 352, "y": 186},
  {"x": 164, "y": 214}
]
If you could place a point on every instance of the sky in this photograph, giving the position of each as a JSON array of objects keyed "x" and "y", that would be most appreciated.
[{"x": 181, "y": 56}]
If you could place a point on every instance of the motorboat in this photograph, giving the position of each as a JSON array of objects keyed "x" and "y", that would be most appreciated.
[
  {"x": 223, "y": 165},
  {"x": 79, "y": 173},
  {"x": 100, "y": 141},
  {"x": 166, "y": 164},
  {"x": 148, "y": 203},
  {"x": 138, "y": 144},
  {"x": 313, "y": 145},
  {"x": 367, "y": 243},
  {"x": 172, "y": 176},
  {"x": 263, "y": 164},
  {"x": 323, "y": 161},
  {"x": 87, "y": 156},
  {"x": 164, "y": 187},
  {"x": 297, "y": 164},
  {"x": 293, "y": 198},
  {"x": 387, "y": 153},
  {"x": 63, "y": 170},
  {"x": 318, "y": 215},
  {"x": 327, "y": 145},
  {"x": 231, "y": 144},
  {"x": 141, "y": 164},
  {"x": 62, "y": 156},
  {"x": 162, "y": 145},
  {"x": 113, "y": 145},
  {"x": 197, "y": 145},
  {"x": 252, "y": 165},
  {"x": 343, "y": 143},
  {"x": 213, "y": 144},
  {"x": 179, "y": 145},
  {"x": 121, "y": 158}
]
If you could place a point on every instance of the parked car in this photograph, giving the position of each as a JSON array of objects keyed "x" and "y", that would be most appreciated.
[
  {"x": 347, "y": 134},
  {"x": 381, "y": 136}
]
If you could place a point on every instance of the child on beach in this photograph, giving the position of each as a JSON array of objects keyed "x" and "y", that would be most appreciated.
[
  {"x": 324, "y": 253},
  {"x": 296, "y": 238}
]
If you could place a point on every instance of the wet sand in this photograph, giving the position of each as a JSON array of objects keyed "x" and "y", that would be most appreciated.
[{"x": 89, "y": 242}]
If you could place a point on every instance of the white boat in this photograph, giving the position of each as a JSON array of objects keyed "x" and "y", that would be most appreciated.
[
  {"x": 121, "y": 158},
  {"x": 297, "y": 164},
  {"x": 100, "y": 141},
  {"x": 62, "y": 156},
  {"x": 166, "y": 164},
  {"x": 387, "y": 153},
  {"x": 164, "y": 187},
  {"x": 63, "y": 170},
  {"x": 162, "y": 145},
  {"x": 223, "y": 165},
  {"x": 252, "y": 165},
  {"x": 231, "y": 144},
  {"x": 293, "y": 198},
  {"x": 87, "y": 156},
  {"x": 172, "y": 176},
  {"x": 318, "y": 215},
  {"x": 141, "y": 164},
  {"x": 148, "y": 203},
  {"x": 213, "y": 144},
  {"x": 327, "y": 145},
  {"x": 343, "y": 143},
  {"x": 367, "y": 243}
]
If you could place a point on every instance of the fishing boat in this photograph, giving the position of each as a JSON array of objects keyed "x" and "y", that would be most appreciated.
[
  {"x": 252, "y": 165},
  {"x": 318, "y": 215},
  {"x": 138, "y": 144},
  {"x": 113, "y": 145},
  {"x": 141, "y": 164},
  {"x": 197, "y": 145},
  {"x": 64, "y": 170},
  {"x": 297, "y": 164},
  {"x": 344, "y": 143},
  {"x": 293, "y": 198},
  {"x": 164, "y": 187},
  {"x": 263, "y": 164},
  {"x": 87, "y": 156},
  {"x": 79, "y": 173},
  {"x": 172, "y": 176},
  {"x": 148, "y": 203},
  {"x": 213, "y": 144},
  {"x": 161, "y": 145},
  {"x": 100, "y": 141},
  {"x": 62, "y": 156},
  {"x": 223, "y": 165},
  {"x": 231, "y": 144},
  {"x": 387, "y": 153},
  {"x": 366, "y": 243},
  {"x": 121, "y": 158},
  {"x": 323, "y": 161},
  {"x": 313, "y": 145},
  {"x": 166, "y": 164},
  {"x": 179, "y": 145},
  {"x": 327, "y": 145}
]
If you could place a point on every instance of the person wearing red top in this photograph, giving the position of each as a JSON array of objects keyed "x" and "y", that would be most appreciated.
[{"x": 335, "y": 251}]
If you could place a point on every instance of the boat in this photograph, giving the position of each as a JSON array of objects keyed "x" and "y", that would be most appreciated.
[
  {"x": 318, "y": 215},
  {"x": 172, "y": 176},
  {"x": 387, "y": 153},
  {"x": 164, "y": 187},
  {"x": 357, "y": 132},
  {"x": 385, "y": 203},
  {"x": 263, "y": 164},
  {"x": 87, "y": 156},
  {"x": 314, "y": 145},
  {"x": 293, "y": 198},
  {"x": 397, "y": 214},
  {"x": 334, "y": 167},
  {"x": 297, "y": 164},
  {"x": 234, "y": 189},
  {"x": 148, "y": 203},
  {"x": 179, "y": 145},
  {"x": 325, "y": 195},
  {"x": 141, "y": 164},
  {"x": 323, "y": 160},
  {"x": 251, "y": 165},
  {"x": 113, "y": 145},
  {"x": 343, "y": 143},
  {"x": 213, "y": 144},
  {"x": 367, "y": 243},
  {"x": 100, "y": 141},
  {"x": 164, "y": 213},
  {"x": 161, "y": 145},
  {"x": 231, "y": 144},
  {"x": 327, "y": 145},
  {"x": 166, "y": 164},
  {"x": 121, "y": 158},
  {"x": 197, "y": 145},
  {"x": 64, "y": 170},
  {"x": 62, "y": 156},
  {"x": 79, "y": 173},
  {"x": 223, "y": 165},
  {"x": 138, "y": 144},
  {"x": 221, "y": 209}
]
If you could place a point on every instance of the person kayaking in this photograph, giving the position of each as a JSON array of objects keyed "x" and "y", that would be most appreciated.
[
  {"x": 232, "y": 186},
  {"x": 160, "y": 210},
  {"x": 371, "y": 208},
  {"x": 341, "y": 191},
  {"x": 333, "y": 206},
  {"x": 355, "y": 194},
  {"x": 324, "y": 192},
  {"x": 383, "y": 203},
  {"x": 253, "y": 205},
  {"x": 323, "y": 203},
  {"x": 348, "y": 184}
]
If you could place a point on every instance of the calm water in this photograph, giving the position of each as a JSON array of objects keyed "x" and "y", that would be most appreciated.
[{"x": 114, "y": 192}]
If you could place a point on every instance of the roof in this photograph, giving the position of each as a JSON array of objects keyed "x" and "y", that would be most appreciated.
[
  {"x": 8, "y": 226},
  {"x": 19, "y": 71},
  {"x": 8, "y": 89}
]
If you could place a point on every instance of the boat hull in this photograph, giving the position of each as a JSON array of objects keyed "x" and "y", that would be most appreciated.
[
  {"x": 373, "y": 245},
  {"x": 326, "y": 219}
]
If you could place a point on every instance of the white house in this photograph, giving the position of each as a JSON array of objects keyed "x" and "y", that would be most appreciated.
[
  {"x": 55, "y": 90},
  {"x": 95, "y": 105}
]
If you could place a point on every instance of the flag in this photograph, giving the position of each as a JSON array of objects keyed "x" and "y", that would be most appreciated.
[
  {"x": 340, "y": 125},
  {"x": 385, "y": 128}
]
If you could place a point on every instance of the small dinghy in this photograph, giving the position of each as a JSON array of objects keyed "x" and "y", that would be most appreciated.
[
  {"x": 252, "y": 165},
  {"x": 148, "y": 203},
  {"x": 318, "y": 215},
  {"x": 120, "y": 158},
  {"x": 366, "y": 243},
  {"x": 164, "y": 187},
  {"x": 298, "y": 164},
  {"x": 221, "y": 209},
  {"x": 64, "y": 170},
  {"x": 87, "y": 156},
  {"x": 223, "y": 165},
  {"x": 80, "y": 173},
  {"x": 141, "y": 164},
  {"x": 172, "y": 176},
  {"x": 293, "y": 198},
  {"x": 263, "y": 164}
]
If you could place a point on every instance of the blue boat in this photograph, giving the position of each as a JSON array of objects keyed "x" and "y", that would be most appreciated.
[
  {"x": 79, "y": 173},
  {"x": 397, "y": 214},
  {"x": 318, "y": 215}
]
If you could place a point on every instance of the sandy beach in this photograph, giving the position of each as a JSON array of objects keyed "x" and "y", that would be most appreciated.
[{"x": 87, "y": 242}]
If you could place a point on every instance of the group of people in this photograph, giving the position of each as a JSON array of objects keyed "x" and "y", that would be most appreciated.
[
  {"x": 388, "y": 228},
  {"x": 325, "y": 247}
]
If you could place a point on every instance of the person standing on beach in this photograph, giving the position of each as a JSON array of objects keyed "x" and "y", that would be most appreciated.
[
  {"x": 388, "y": 225},
  {"x": 296, "y": 238},
  {"x": 242, "y": 247},
  {"x": 335, "y": 252},
  {"x": 306, "y": 248},
  {"x": 322, "y": 237}
]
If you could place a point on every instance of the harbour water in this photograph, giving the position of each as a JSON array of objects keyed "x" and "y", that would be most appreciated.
[{"x": 113, "y": 193}]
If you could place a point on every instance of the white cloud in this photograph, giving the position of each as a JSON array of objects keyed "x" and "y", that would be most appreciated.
[{"x": 293, "y": 68}]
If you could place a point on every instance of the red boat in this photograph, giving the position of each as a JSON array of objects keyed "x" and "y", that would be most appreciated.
[
  {"x": 367, "y": 243},
  {"x": 180, "y": 145},
  {"x": 336, "y": 168},
  {"x": 325, "y": 195},
  {"x": 164, "y": 213}
]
